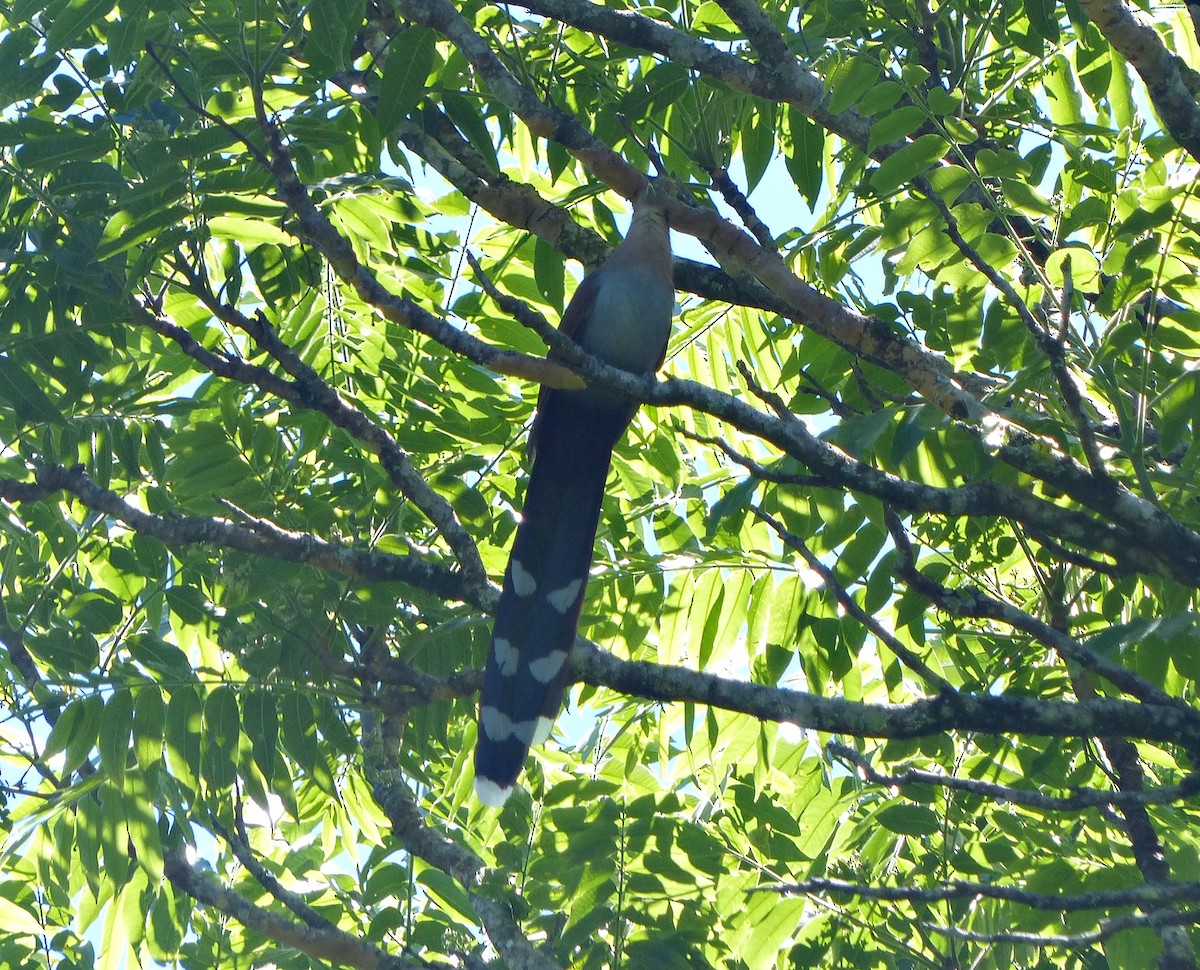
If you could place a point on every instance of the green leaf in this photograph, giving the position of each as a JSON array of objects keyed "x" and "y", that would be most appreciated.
[
  {"x": 48, "y": 153},
  {"x": 769, "y": 923},
  {"x": 705, "y": 603},
  {"x": 164, "y": 931},
  {"x": 410, "y": 59},
  {"x": 363, "y": 809},
  {"x": 298, "y": 722},
  {"x": 787, "y": 608},
  {"x": 70, "y": 25},
  {"x": 158, "y": 655},
  {"x": 205, "y": 461},
  {"x": 470, "y": 122},
  {"x": 1120, "y": 99},
  {"x": 248, "y": 232},
  {"x": 1065, "y": 102},
  {"x": 915, "y": 820},
  {"x": 449, "y": 894},
  {"x": 141, "y": 822},
  {"x": 1001, "y": 163},
  {"x": 149, "y": 720},
  {"x": 805, "y": 162},
  {"x": 334, "y": 24},
  {"x": 758, "y": 143},
  {"x": 1094, "y": 63},
  {"x": 711, "y": 20},
  {"x": 1043, "y": 18},
  {"x": 858, "y": 554},
  {"x": 728, "y": 614},
  {"x": 25, "y": 396},
  {"x": 74, "y": 178},
  {"x": 222, "y": 729},
  {"x": 127, "y": 229},
  {"x": 1027, "y": 199},
  {"x": 116, "y": 952},
  {"x": 1084, "y": 269},
  {"x": 907, "y": 163},
  {"x": 548, "y": 273},
  {"x": 116, "y": 724},
  {"x": 880, "y": 98},
  {"x": 364, "y": 223},
  {"x": 850, "y": 80},
  {"x": 261, "y": 722},
  {"x": 896, "y": 125},
  {"x": 941, "y": 102},
  {"x": 75, "y": 732},
  {"x": 18, "y": 920},
  {"x": 185, "y": 718}
]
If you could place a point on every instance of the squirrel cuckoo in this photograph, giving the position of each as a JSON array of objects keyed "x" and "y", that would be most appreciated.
[{"x": 620, "y": 313}]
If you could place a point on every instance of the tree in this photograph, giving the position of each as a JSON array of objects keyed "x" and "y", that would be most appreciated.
[{"x": 891, "y": 651}]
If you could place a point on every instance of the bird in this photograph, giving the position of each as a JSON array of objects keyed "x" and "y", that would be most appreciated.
[{"x": 621, "y": 312}]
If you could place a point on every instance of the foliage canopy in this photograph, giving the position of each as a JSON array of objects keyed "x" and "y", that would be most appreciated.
[{"x": 896, "y": 578}]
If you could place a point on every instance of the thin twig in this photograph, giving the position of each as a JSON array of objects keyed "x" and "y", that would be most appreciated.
[
  {"x": 1079, "y": 801},
  {"x": 1106, "y": 930},
  {"x": 973, "y": 602},
  {"x": 850, "y": 605}
]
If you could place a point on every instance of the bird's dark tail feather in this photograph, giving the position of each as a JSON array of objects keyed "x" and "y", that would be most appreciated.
[{"x": 528, "y": 660}]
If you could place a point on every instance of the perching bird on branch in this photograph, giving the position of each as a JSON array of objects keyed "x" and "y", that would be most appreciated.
[{"x": 620, "y": 313}]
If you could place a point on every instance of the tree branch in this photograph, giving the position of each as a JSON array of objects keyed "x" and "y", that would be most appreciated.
[
  {"x": 1158, "y": 68},
  {"x": 410, "y": 829},
  {"x": 321, "y": 943},
  {"x": 850, "y": 605},
  {"x": 265, "y": 540},
  {"x": 1080, "y": 800},
  {"x": 974, "y": 603},
  {"x": 1073, "y": 941},
  {"x": 986, "y": 713},
  {"x": 1147, "y": 896},
  {"x": 240, "y": 845},
  {"x": 926, "y": 372},
  {"x": 310, "y": 392},
  {"x": 782, "y": 82}
]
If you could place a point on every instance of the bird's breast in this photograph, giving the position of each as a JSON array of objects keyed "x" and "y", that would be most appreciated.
[{"x": 631, "y": 319}]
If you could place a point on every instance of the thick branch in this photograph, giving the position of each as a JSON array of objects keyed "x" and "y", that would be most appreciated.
[
  {"x": 240, "y": 845},
  {"x": 1157, "y": 67},
  {"x": 410, "y": 829},
  {"x": 986, "y": 714},
  {"x": 1151, "y": 525},
  {"x": 782, "y": 82},
  {"x": 466, "y": 867},
  {"x": 337, "y": 250},
  {"x": 839, "y": 470},
  {"x": 1048, "y": 519},
  {"x": 926, "y": 372}
]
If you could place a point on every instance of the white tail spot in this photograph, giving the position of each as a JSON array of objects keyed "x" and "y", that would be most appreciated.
[
  {"x": 526, "y": 732},
  {"x": 507, "y": 656},
  {"x": 542, "y": 731},
  {"x": 563, "y": 599},
  {"x": 546, "y": 668},
  {"x": 497, "y": 726},
  {"x": 523, "y": 582},
  {"x": 491, "y": 794}
]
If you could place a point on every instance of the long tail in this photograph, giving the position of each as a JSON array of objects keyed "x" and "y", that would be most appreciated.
[{"x": 544, "y": 585}]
